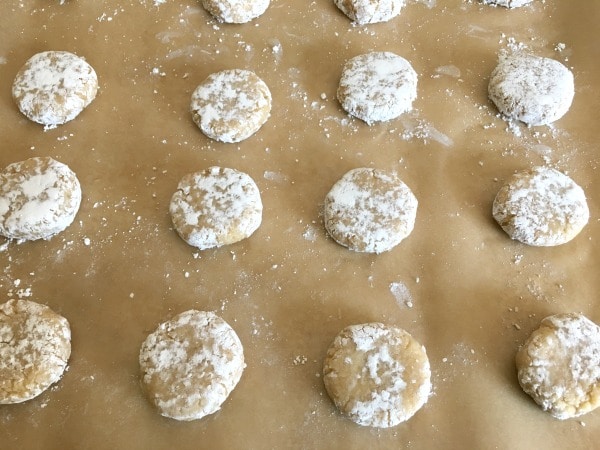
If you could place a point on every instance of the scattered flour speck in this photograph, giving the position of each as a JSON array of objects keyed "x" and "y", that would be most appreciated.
[{"x": 401, "y": 294}]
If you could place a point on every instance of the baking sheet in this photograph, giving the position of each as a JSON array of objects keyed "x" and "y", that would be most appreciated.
[{"x": 458, "y": 284}]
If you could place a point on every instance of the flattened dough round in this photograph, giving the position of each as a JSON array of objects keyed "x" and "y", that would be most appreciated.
[
  {"x": 362, "y": 12},
  {"x": 541, "y": 207},
  {"x": 377, "y": 86},
  {"x": 190, "y": 364},
  {"x": 377, "y": 375},
  {"x": 369, "y": 210},
  {"x": 559, "y": 365},
  {"x": 508, "y": 3},
  {"x": 532, "y": 89},
  {"x": 215, "y": 207},
  {"x": 39, "y": 197},
  {"x": 53, "y": 87},
  {"x": 231, "y": 105},
  {"x": 235, "y": 11},
  {"x": 35, "y": 345}
]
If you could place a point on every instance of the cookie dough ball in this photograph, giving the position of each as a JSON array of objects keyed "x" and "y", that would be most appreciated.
[
  {"x": 532, "y": 89},
  {"x": 35, "y": 345},
  {"x": 507, "y": 3},
  {"x": 216, "y": 207},
  {"x": 191, "y": 364},
  {"x": 377, "y": 375},
  {"x": 559, "y": 365},
  {"x": 370, "y": 210},
  {"x": 370, "y": 11},
  {"x": 39, "y": 197},
  {"x": 231, "y": 105},
  {"x": 54, "y": 87},
  {"x": 235, "y": 11},
  {"x": 541, "y": 207},
  {"x": 377, "y": 86}
]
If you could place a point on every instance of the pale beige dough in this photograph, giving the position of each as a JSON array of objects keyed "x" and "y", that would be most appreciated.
[
  {"x": 369, "y": 210},
  {"x": 370, "y": 11},
  {"x": 35, "y": 345},
  {"x": 559, "y": 365},
  {"x": 531, "y": 89},
  {"x": 215, "y": 207},
  {"x": 39, "y": 197},
  {"x": 377, "y": 375},
  {"x": 231, "y": 105},
  {"x": 54, "y": 87},
  {"x": 190, "y": 364},
  {"x": 377, "y": 86},
  {"x": 236, "y": 11},
  {"x": 507, "y": 3},
  {"x": 541, "y": 207}
]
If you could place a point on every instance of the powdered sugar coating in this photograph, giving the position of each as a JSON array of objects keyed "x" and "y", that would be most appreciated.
[
  {"x": 507, "y": 3},
  {"x": 370, "y": 210},
  {"x": 190, "y": 364},
  {"x": 370, "y": 11},
  {"x": 39, "y": 197},
  {"x": 377, "y": 86},
  {"x": 216, "y": 207},
  {"x": 541, "y": 207},
  {"x": 532, "y": 89},
  {"x": 35, "y": 345},
  {"x": 53, "y": 87},
  {"x": 559, "y": 365},
  {"x": 236, "y": 11},
  {"x": 377, "y": 375},
  {"x": 231, "y": 105}
]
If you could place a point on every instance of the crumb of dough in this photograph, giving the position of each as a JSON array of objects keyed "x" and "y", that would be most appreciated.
[
  {"x": 559, "y": 365},
  {"x": 215, "y": 207},
  {"x": 369, "y": 210},
  {"x": 541, "y": 207},
  {"x": 54, "y": 87},
  {"x": 377, "y": 375},
  {"x": 35, "y": 346},
  {"x": 190, "y": 364},
  {"x": 39, "y": 197}
]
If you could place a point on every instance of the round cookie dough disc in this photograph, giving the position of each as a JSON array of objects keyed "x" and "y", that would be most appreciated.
[
  {"x": 231, "y": 105},
  {"x": 559, "y": 365},
  {"x": 39, "y": 197},
  {"x": 191, "y": 364},
  {"x": 532, "y": 89},
  {"x": 377, "y": 375},
  {"x": 54, "y": 87},
  {"x": 369, "y": 210},
  {"x": 370, "y": 11},
  {"x": 216, "y": 207},
  {"x": 507, "y": 3},
  {"x": 235, "y": 11},
  {"x": 541, "y": 207},
  {"x": 35, "y": 345},
  {"x": 377, "y": 86}
]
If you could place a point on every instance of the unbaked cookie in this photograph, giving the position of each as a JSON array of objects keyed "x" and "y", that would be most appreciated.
[
  {"x": 235, "y": 11},
  {"x": 54, "y": 87},
  {"x": 216, "y": 207},
  {"x": 559, "y": 365},
  {"x": 507, "y": 3},
  {"x": 231, "y": 105},
  {"x": 191, "y": 364},
  {"x": 39, "y": 197},
  {"x": 541, "y": 207},
  {"x": 377, "y": 86},
  {"x": 370, "y": 11},
  {"x": 35, "y": 345},
  {"x": 370, "y": 210},
  {"x": 532, "y": 89},
  {"x": 377, "y": 375}
]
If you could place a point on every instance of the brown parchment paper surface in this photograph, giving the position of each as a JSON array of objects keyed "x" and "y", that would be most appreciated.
[{"x": 458, "y": 284}]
